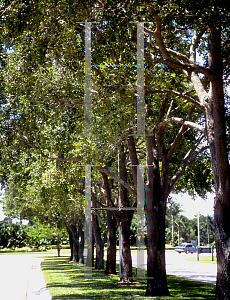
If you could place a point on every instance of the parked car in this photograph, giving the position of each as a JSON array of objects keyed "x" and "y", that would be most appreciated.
[{"x": 186, "y": 247}]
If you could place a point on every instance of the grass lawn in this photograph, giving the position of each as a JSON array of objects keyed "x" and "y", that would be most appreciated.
[
  {"x": 66, "y": 281},
  {"x": 203, "y": 259}
]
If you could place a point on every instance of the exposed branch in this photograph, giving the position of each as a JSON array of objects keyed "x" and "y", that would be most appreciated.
[
  {"x": 179, "y": 135},
  {"x": 195, "y": 41},
  {"x": 122, "y": 182},
  {"x": 176, "y": 94},
  {"x": 44, "y": 155},
  {"x": 185, "y": 67},
  {"x": 170, "y": 51},
  {"x": 181, "y": 121}
]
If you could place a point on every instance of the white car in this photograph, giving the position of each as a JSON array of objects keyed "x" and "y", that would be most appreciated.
[{"x": 185, "y": 247}]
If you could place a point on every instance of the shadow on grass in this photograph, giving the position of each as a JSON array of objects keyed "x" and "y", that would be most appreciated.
[{"x": 66, "y": 281}]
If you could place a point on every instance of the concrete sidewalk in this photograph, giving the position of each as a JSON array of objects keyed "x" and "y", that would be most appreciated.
[{"x": 36, "y": 287}]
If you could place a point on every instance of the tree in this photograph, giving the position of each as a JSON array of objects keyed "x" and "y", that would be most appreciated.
[
  {"x": 205, "y": 29},
  {"x": 165, "y": 162}
]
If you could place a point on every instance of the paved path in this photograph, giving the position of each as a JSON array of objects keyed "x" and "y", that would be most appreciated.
[{"x": 21, "y": 278}]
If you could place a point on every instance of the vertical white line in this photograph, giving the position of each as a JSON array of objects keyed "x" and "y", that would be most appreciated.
[
  {"x": 140, "y": 222},
  {"x": 88, "y": 223},
  {"x": 88, "y": 83},
  {"x": 140, "y": 80}
]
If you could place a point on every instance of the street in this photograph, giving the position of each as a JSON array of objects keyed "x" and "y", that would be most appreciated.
[{"x": 178, "y": 266}]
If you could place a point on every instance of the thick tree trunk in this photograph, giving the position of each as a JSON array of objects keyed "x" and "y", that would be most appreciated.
[
  {"x": 75, "y": 237},
  {"x": 111, "y": 244},
  {"x": 111, "y": 231},
  {"x": 126, "y": 258},
  {"x": 124, "y": 218},
  {"x": 216, "y": 131},
  {"x": 99, "y": 245},
  {"x": 155, "y": 214}
]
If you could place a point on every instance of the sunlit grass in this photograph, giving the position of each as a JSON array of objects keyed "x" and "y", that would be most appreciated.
[
  {"x": 66, "y": 281},
  {"x": 203, "y": 259}
]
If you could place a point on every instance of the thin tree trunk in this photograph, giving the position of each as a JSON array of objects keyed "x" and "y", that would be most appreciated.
[
  {"x": 71, "y": 244},
  {"x": 81, "y": 244},
  {"x": 173, "y": 230},
  {"x": 58, "y": 246},
  {"x": 178, "y": 234}
]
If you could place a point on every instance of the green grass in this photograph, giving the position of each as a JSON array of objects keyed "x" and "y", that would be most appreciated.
[
  {"x": 66, "y": 281},
  {"x": 203, "y": 259}
]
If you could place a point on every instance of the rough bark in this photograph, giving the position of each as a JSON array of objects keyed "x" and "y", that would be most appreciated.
[
  {"x": 155, "y": 214},
  {"x": 75, "y": 239},
  {"x": 99, "y": 244},
  {"x": 111, "y": 230},
  {"x": 111, "y": 244},
  {"x": 220, "y": 163},
  {"x": 124, "y": 218}
]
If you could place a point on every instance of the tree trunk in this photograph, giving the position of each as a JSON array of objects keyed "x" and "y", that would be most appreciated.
[
  {"x": 111, "y": 231},
  {"x": 99, "y": 244},
  {"x": 75, "y": 237},
  {"x": 126, "y": 258},
  {"x": 155, "y": 214},
  {"x": 71, "y": 244},
  {"x": 58, "y": 246},
  {"x": 173, "y": 230},
  {"x": 178, "y": 234},
  {"x": 124, "y": 218},
  {"x": 111, "y": 244},
  {"x": 81, "y": 244},
  {"x": 216, "y": 131}
]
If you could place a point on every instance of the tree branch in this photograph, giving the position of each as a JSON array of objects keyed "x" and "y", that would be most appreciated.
[
  {"x": 191, "y": 155},
  {"x": 181, "y": 121},
  {"x": 179, "y": 135},
  {"x": 122, "y": 182},
  {"x": 177, "y": 94},
  {"x": 180, "y": 66}
]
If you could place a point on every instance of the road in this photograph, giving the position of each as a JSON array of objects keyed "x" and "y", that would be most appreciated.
[
  {"x": 178, "y": 266},
  {"x": 21, "y": 278}
]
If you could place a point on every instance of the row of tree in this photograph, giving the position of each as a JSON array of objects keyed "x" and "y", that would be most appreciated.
[{"x": 44, "y": 147}]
